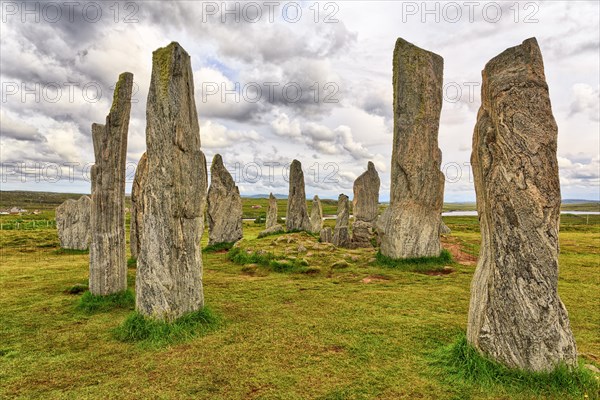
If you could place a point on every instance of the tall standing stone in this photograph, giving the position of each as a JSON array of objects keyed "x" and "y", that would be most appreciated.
[
  {"x": 365, "y": 206},
  {"x": 296, "y": 217},
  {"x": 73, "y": 223},
  {"x": 316, "y": 216},
  {"x": 169, "y": 271},
  {"x": 410, "y": 225},
  {"x": 341, "y": 237},
  {"x": 271, "y": 212},
  {"x": 108, "y": 258},
  {"x": 516, "y": 316},
  {"x": 137, "y": 206},
  {"x": 224, "y": 205}
]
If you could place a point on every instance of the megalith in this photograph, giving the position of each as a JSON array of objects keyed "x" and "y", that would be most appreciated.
[{"x": 224, "y": 212}]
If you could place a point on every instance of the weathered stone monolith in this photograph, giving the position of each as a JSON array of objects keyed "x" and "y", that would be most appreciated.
[
  {"x": 365, "y": 206},
  {"x": 169, "y": 269},
  {"x": 137, "y": 206},
  {"x": 316, "y": 216},
  {"x": 271, "y": 212},
  {"x": 444, "y": 230},
  {"x": 224, "y": 212},
  {"x": 410, "y": 226},
  {"x": 108, "y": 257},
  {"x": 341, "y": 237},
  {"x": 516, "y": 316},
  {"x": 296, "y": 217},
  {"x": 326, "y": 235},
  {"x": 73, "y": 223}
]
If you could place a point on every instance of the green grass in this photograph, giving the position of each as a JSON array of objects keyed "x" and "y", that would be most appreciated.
[
  {"x": 421, "y": 264},
  {"x": 463, "y": 368},
  {"x": 269, "y": 260},
  {"x": 154, "y": 333},
  {"x": 364, "y": 331},
  {"x": 71, "y": 251},
  {"x": 90, "y": 303},
  {"x": 131, "y": 262},
  {"x": 218, "y": 247}
]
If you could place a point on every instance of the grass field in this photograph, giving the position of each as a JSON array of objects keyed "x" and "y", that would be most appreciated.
[{"x": 339, "y": 327}]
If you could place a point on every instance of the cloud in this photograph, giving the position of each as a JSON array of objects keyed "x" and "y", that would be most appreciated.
[
  {"x": 217, "y": 136},
  {"x": 586, "y": 100}
]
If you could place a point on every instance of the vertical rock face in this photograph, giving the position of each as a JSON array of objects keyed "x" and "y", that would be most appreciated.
[
  {"x": 316, "y": 216},
  {"x": 365, "y": 206},
  {"x": 224, "y": 205},
  {"x": 326, "y": 235},
  {"x": 340, "y": 232},
  {"x": 169, "y": 270},
  {"x": 108, "y": 260},
  {"x": 137, "y": 206},
  {"x": 271, "y": 212},
  {"x": 516, "y": 316},
  {"x": 366, "y": 195},
  {"x": 297, "y": 212},
  {"x": 73, "y": 223},
  {"x": 410, "y": 225}
]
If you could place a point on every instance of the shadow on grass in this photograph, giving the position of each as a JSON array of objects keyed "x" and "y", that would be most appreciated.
[
  {"x": 92, "y": 304},
  {"x": 149, "y": 332},
  {"x": 218, "y": 247},
  {"x": 421, "y": 264},
  {"x": 70, "y": 251},
  {"x": 460, "y": 366}
]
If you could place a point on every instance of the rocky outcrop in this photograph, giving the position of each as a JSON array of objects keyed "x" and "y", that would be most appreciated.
[
  {"x": 271, "y": 220},
  {"x": 341, "y": 237},
  {"x": 296, "y": 217},
  {"x": 73, "y": 223},
  {"x": 444, "y": 230},
  {"x": 516, "y": 316},
  {"x": 108, "y": 257},
  {"x": 326, "y": 235},
  {"x": 365, "y": 207},
  {"x": 409, "y": 227},
  {"x": 137, "y": 206},
  {"x": 316, "y": 216},
  {"x": 169, "y": 269},
  {"x": 224, "y": 212}
]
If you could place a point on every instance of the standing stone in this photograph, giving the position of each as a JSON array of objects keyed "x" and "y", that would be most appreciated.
[
  {"x": 365, "y": 206},
  {"x": 108, "y": 257},
  {"x": 410, "y": 225},
  {"x": 516, "y": 316},
  {"x": 224, "y": 205},
  {"x": 340, "y": 232},
  {"x": 326, "y": 235},
  {"x": 296, "y": 217},
  {"x": 73, "y": 223},
  {"x": 271, "y": 212},
  {"x": 169, "y": 272},
  {"x": 316, "y": 216},
  {"x": 137, "y": 206},
  {"x": 444, "y": 230}
]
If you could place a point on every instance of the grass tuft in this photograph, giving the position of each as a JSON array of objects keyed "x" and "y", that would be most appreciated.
[
  {"x": 462, "y": 367},
  {"x": 91, "y": 304},
  {"x": 267, "y": 260},
  {"x": 217, "y": 247},
  {"x": 131, "y": 263},
  {"x": 420, "y": 264},
  {"x": 77, "y": 288},
  {"x": 154, "y": 333},
  {"x": 71, "y": 251}
]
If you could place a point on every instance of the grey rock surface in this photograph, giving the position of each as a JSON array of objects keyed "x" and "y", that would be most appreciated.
[
  {"x": 108, "y": 257},
  {"x": 271, "y": 219},
  {"x": 516, "y": 316},
  {"x": 409, "y": 227},
  {"x": 365, "y": 204},
  {"x": 169, "y": 270},
  {"x": 224, "y": 212},
  {"x": 444, "y": 230},
  {"x": 316, "y": 215},
  {"x": 271, "y": 230},
  {"x": 73, "y": 223},
  {"x": 326, "y": 235},
  {"x": 296, "y": 217},
  {"x": 341, "y": 236},
  {"x": 137, "y": 206}
]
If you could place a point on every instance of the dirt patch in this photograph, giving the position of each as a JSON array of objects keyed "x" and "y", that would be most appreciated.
[
  {"x": 445, "y": 271},
  {"x": 453, "y": 246},
  {"x": 374, "y": 278}
]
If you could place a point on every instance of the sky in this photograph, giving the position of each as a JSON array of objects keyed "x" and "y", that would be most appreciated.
[{"x": 277, "y": 81}]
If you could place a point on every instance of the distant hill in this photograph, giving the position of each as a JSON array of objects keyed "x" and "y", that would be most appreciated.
[
  {"x": 578, "y": 201},
  {"x": 265, "y": 196}
]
